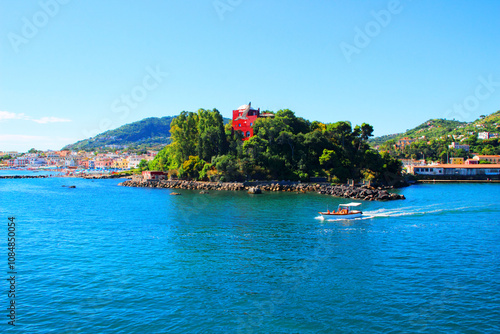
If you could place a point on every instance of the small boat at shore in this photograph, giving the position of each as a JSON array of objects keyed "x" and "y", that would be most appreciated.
[{"x": 345, "y": 211}]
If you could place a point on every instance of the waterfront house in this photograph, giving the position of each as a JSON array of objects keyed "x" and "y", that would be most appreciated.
[
  {"x": 103, "y": 163},
  {"x": 18, "y": 162},
  {"x": 458, "y": 170},
  {"x": 37, "y": 162},
  {"x": 68, "y": 162},
  {"x": 150, "y": 175},
  {"x": 123, "y": 163},
  {"x": 133, "y": 161}
]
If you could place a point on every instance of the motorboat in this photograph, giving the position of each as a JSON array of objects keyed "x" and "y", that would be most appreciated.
[{"x": 344, "y": 211}]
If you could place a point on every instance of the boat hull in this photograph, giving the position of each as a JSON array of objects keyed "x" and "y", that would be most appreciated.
[{"x": 341, "y": 216}]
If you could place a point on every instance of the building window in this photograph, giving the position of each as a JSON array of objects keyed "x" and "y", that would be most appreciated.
[
  {"x": 248, "y": 133},
  {"x": 239, "y": 125},
  {"x": 251, "y": 124}
]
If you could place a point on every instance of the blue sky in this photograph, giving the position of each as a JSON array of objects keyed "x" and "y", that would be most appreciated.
[{"x": 70, "y": 69}]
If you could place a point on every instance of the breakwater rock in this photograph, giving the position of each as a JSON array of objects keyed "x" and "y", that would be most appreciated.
[
  {"x": 180, "y": 184},
  {"x": 23, "y": 176},
  {"x": 344, "y": 191},
  {"x": 101, "y": 177}
]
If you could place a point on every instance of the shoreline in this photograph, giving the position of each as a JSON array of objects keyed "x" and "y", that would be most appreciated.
[
  {"x": 343, "y": 191},
  {"x": 458, "y": 181}
]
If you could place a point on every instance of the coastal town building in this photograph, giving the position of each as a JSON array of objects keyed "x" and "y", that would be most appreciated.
[
  {"x": 73, "y": 160},
  {"x": 412, "y": 162},
  {"x": 403, "y": 142},
  {"x": 69, "y": 162},
  {"x": 458, "y": 146},
  {"x": 11, "y": 153},
  {"x": 487, "y": 158},
  {"x": 18, "y": 162},
  {"x": 102, "y": 163},
  {"x": 458, "y": 170},
  {"x": 134, "y": 161},
  {"x": 244, "y": 118},
  {"x": 457, "y": 161},
  {"x": 483, "y": 135},
  {"x": 149, "y": 175},
  {"x": 487, "y": 135}
]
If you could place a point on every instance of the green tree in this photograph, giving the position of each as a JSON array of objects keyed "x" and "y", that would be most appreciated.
[
  {"x": 184, "y": 134},
  {"x": 211, "y": 134},
  {"x": 227, "y": 167},
  {"x": 143, "y": 165},
  {"x": 192, "y": 167}
]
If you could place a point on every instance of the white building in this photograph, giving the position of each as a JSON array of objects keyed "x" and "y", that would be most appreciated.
[
  {"x": 36, "y": 162},
  {"x": 457, "y": 146},
  {"x": 483, "y": 135},
  {"x": 68, "y": 162},
  {"x": 458, "y": 170},
  {"x": 134, "y": 161}
]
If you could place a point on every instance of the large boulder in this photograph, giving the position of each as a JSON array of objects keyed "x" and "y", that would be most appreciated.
[{"x": 254, "y": 190}]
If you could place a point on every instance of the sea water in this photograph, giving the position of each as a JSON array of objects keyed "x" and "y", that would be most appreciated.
[{"x": 101, "y": 258}]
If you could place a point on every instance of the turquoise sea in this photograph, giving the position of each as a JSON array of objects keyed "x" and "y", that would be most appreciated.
[{"x": 101, "y": 258}]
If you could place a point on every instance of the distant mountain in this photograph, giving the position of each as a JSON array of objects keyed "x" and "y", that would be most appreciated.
[
  {"x": 149, "y": 132},
  {"x": 152, "y": 132},
  {"x": 436, "y": 128}
]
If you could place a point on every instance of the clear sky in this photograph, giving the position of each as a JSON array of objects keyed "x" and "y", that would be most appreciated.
[{"x": 70, "y": 69}]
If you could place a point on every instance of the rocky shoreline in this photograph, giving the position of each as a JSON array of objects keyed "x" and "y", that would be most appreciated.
[{"x": 343, "y": 191}]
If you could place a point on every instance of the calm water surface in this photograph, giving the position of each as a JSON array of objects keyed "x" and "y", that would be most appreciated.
[{"x": 107, "y": 259}]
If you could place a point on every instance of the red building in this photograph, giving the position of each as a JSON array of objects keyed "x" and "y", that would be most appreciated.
[
  {"x": 244, "y": 118},
  {"x": 150, "y": 175}
]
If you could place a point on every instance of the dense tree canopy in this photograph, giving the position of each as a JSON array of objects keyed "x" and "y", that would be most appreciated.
[{"x": 285, "y": 147}]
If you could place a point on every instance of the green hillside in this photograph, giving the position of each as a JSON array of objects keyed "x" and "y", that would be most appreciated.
[
  {"x": 152, "y": 132},
  {"x": 431, "y": 129},
  {"x": 490, "y": 122},
  {"x": 149, "y": 132},
  {"x": 432, "y": 139},
  {"x": 440, "y": 128}
]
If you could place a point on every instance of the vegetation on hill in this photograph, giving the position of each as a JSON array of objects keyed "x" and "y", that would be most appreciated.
[
  {"x": 149, "y": 132},
  {"x": 285, "y": 147},
  {"x": 432, "y": 139}
]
